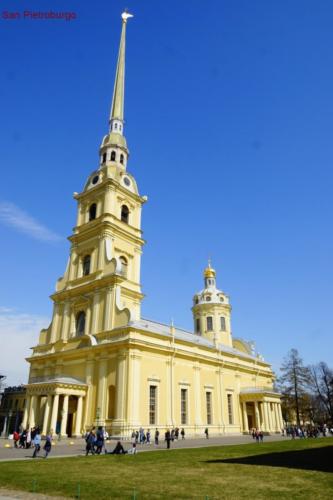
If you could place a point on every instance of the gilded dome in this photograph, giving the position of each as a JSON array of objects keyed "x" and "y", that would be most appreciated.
[{"x": 209, "y": 272}]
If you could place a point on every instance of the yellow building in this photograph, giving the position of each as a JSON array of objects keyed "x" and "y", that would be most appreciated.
[{"x": 100, "y": 363}]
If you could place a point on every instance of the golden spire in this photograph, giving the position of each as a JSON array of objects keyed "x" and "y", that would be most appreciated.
[{"x": 117, "y": 107}]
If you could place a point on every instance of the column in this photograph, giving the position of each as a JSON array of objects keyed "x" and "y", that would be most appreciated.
[
  {"x": 64, "y": 415},
  {"x": 276, "y": 417},
  {"x": 4, "y": 430},
  {"x": 245, "y": 419},
  {"x": 266, "y": 420},
  {"x": 169, "y": 393},
  {"x": 54, "y": 416},
  {"x": 87, "y": 329},
  {"x": 108, "y": 309},
  {"x": 72, "y": 325},
  {"x": 54, "y": 325},
  {"x": 32, "y": 413},
  {"x": 102, "y": 392},
  {"x": 89, "y": 413},
  {"x": 101, "y": 252},
  {"x": 26, "y": 412},
  {"x": 121, "y": 384},
  {"x": 95, "y": 313},
  {"x": 280, "y": 416},
  {"x": 108, "y": 200},
  {"x": 269, "y": 416},
  {"x": 256, "y": 410},
  {"x": 66, "y": 321},
  {"x": 221, "y": 400},
  {"x": 197, "y": 396},
  {"x": 133, "y": 395},
  {"x": 78, "y": 420},
  {"x": 47, "y": 414}
]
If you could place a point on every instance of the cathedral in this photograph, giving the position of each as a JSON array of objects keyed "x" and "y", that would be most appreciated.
[{"x": 100, "y": 363}]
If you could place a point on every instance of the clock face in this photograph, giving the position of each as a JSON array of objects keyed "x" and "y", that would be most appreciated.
[
  {"x": 95, "y": 180},
  {"x": 127, "y": 182}
]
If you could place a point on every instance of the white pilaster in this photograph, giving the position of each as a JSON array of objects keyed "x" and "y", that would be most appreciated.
[
  {"x": 102, "y": 391},
  {"x": 95, "y": 313},
  {"x": 197, "y": 396},
  {"x": 108, "y": 309},
  {"x": 54, "y": 325},
  {"x": 89, "y": 414}
]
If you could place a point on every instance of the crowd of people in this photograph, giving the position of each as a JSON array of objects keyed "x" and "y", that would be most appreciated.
[
  {"x": 307, "y": 432},
  {"x": 32, "y": 438}
]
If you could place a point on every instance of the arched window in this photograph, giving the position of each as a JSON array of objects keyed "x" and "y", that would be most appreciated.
[
  {"x": 104, "y": 158},
  {"x": 208, "y": 298},
  {"x": 115, "y": 126},
  {"x": 92, "y": 211},
  {"x": 80, "y": 323},
  {"x": 196, "y": 300},
  {"x": 124, "y": 266},
  {"x": 113, "y": 156},
  {"x": 124, "y": 214},
  {"x": 86, "y": 265},
  {"x": 122, "y": 159},
  {"x": 209, "y": 321},
  {"x": 197, "y": 325},
  {"x": 223, "y": 325}
]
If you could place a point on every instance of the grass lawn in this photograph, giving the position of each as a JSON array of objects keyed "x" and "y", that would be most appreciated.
[{"x": 287, "y": 469}]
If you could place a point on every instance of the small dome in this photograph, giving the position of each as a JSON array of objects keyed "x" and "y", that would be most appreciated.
[{"x": 209, "y": 272}]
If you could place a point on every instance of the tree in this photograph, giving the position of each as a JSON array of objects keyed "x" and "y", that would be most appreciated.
[
  {"x": 321, "y": 385},
  {"x": 293, "y": 381}
]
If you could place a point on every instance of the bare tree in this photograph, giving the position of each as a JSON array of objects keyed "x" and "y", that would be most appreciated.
[
  {"x": 294, "y": 381},
  {"x": 320, "y": 382}
]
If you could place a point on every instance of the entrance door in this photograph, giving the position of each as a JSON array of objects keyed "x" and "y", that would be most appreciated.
[
  {"x": 250, "y": 421},
  {"x": 69, "y": 426}
]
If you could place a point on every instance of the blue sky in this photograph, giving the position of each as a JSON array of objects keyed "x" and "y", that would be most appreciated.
[{"x": 229, "y": 122}]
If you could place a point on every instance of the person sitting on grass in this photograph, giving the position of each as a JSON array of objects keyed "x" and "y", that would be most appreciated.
[{"x": 119, "y": 450}]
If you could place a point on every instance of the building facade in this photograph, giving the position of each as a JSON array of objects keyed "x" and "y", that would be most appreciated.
[{"x": 100, "y": 363}]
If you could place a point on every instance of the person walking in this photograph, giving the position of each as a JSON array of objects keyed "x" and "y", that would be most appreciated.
[
  {"x": 206, "y": 432},
  {"x": 148, "y": 436},
  {"x": 90, "y": 440},
  {"x": 16, "y": 438},
  {"x": 157, "y": 434},
  {"x": 182, "y": 433},
  {"x": 47, "y": 445},
  {"x": 168, "y": 438},
  {"x": 37, "y": 441},
  {"x": 99, "y": 440}
]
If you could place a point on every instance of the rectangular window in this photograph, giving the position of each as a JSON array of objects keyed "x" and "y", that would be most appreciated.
[
  {"x": 183, "y": 406},
  {"x": 222, "y": 323},
  {"x": 197, "y": 325},
  {"x": 152, "y": 404},
  {"x": 209, "y": 407},
  {"x": 209, "y": 323},
  {"x": 230, "y": 412}
]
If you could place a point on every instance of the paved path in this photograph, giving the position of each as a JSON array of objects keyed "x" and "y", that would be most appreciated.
[{"x": 68, "y": 447}]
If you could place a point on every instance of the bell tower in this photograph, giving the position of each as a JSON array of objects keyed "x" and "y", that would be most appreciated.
[
  {"x": 101, "y": 288},
  {"x": 212, "y": 311}
]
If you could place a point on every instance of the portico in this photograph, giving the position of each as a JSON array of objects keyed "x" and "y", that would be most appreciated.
[
  {"x": 55, "y": 406},
  {"x": 261, "y": 409}
]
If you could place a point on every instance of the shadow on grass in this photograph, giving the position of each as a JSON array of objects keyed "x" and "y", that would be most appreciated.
[{"x": 316, "y": 459}]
